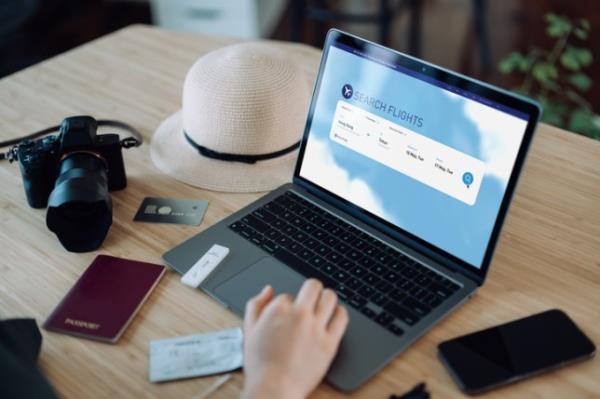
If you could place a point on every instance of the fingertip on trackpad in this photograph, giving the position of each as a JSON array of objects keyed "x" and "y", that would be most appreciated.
[{"x": 236, "y": 291}]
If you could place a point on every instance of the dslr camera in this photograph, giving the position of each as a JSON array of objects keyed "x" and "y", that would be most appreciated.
[{"x": 72, "y": 173}]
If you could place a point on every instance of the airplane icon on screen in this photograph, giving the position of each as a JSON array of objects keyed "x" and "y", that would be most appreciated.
[{"x": 347, "y": 91}]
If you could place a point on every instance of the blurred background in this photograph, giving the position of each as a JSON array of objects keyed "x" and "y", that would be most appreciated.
[{"x": 545, "y": 49}]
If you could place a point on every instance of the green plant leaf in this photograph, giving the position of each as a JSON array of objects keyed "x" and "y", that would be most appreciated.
[
  {"x": 580, "y": 33},
  {"x": 581, "y": 81},
  {"x": 507, "y": 65},
  {"x": 596, "y": 128},
  {"x": 552, "y": 119},
  {"x": 550, "y": 17},
  {"x": 574, "y": 58},
  {"x": 583, "y": 121},
  {"x": 584, "y": 56},
  {"x": 585, "y": 24},
  {"x": 554, "y": 111},
  {"x": 558, "y": 26},
  {"x": 515, "y": 60},
  {"x": 525, "y": 62},
  {"x": 543, "y": 71},
  {"x": 569, "y": 61}
]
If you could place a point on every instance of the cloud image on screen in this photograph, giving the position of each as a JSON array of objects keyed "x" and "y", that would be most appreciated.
[{"x": 473, "y": 128}]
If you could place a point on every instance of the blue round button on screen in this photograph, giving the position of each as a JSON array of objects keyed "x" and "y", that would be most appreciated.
[{"x": 467, "y": 178}]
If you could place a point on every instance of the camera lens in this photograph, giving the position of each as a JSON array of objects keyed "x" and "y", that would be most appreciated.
[{"x": 79, "y": 206}]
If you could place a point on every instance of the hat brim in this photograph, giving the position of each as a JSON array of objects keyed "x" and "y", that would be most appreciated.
[{"x": 173, "y": 155}]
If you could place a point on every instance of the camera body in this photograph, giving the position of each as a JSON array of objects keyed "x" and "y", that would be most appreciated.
[
  {"x": 39, "y": 160},
  {"x": 72, "y": 173}
]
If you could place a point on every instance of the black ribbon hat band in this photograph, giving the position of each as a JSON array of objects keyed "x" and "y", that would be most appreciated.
[{"x": 244, "y": 158}]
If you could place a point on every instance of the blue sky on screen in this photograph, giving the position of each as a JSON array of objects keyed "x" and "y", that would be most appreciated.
[{"x": 465, "y": 125}]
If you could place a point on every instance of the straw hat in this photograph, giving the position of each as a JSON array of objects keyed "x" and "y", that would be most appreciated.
[{"x": 243, "y": 114}]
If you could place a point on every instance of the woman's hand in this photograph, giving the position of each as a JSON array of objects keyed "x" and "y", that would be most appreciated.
[{"x": 289, "y": 344}]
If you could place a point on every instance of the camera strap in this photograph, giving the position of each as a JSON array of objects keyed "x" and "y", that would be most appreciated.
[{"x": 135, "y": 140}]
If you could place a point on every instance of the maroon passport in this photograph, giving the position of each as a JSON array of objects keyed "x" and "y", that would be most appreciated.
[{"x": 105, "y": 298}]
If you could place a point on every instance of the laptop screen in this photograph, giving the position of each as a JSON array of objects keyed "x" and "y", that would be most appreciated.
[{"x": 423, "y": 155}]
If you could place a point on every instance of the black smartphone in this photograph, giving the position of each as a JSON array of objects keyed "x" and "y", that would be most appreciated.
[{"x": 513, "y": 351}]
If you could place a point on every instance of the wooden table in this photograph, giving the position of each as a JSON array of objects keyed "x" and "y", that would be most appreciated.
[{"x": 548, "y": 255}]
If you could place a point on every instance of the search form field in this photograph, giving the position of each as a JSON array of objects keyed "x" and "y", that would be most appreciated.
[{"x": 432, "y": 163}]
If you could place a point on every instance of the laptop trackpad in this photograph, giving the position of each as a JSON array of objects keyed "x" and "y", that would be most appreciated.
[{"x": 250, "y": 281}]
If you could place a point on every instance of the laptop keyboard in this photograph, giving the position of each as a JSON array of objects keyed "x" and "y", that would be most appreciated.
[{"x": 376, "y": 279}]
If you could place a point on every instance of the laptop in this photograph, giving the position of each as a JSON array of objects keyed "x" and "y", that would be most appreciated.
[{"x": 403, "y": 180}]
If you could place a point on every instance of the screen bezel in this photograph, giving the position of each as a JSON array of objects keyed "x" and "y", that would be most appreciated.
[{"x": 499, "y": 96}]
